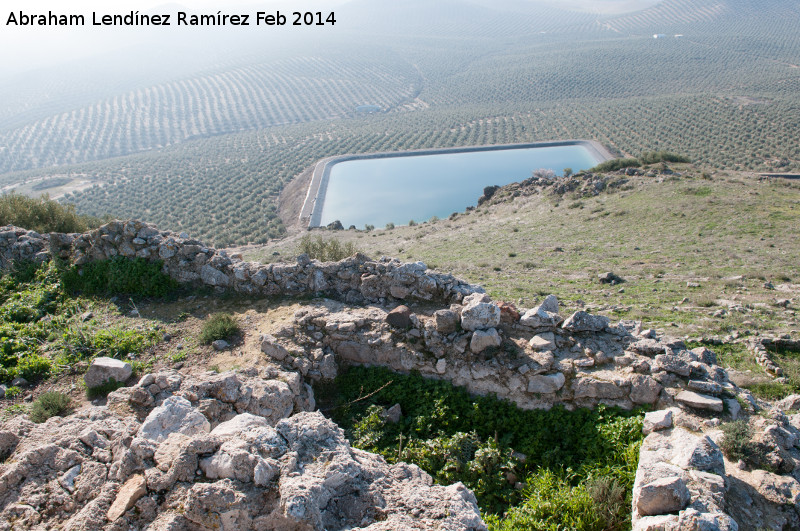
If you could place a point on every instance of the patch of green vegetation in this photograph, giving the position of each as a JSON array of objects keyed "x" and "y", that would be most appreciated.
[
  {"x": 771, "y": 390},
  {"x": 218, "y": 326},
  {"x": 50, "y": 404},
  {"x": 80, "y": 341},
  {"x": 491, "y": 445},
  {"x": 654, "y": 157},
  {"x": 737, "y": 444},
  {"x": 616, "y": 164},
  {"x": 40, "y": 332},
  {"x": 43, "y": 214},
  {"x": 330, "y": 250},
  {"x": 119, "y": 276}
]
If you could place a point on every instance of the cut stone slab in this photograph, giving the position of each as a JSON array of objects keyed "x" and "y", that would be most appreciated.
[
  {"x": 542, "y": 342},
  {"x": 665, "y": 495},
  {"x": 128, "y": 495},
  {"x": 657, "y": 421},
  {"x": 102, "y": 370},
  {"x": 696, "y": 400}
]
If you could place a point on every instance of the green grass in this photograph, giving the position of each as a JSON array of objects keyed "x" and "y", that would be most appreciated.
[
  {"x": 41, "y": 332},
  {"x": 119, "y": 276}
]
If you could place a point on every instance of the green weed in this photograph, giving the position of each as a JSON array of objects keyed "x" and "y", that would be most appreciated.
[
  {"x": 218, "y": 326},
  {"x": 48, "y": 405}
]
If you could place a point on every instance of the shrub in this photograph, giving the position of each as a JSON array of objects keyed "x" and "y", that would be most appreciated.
[
  {"x": 653, "y": 157},
  {"x": 119, "y": 276},
  {"x": 48, "y": 405},
  {"x": 331, "y": 250},
  {"x": 218, "y": 326},
  {"x": 43, "y": 214},
  {"x": 615, "y": 164},
  {"x": 389, "y": 226}
]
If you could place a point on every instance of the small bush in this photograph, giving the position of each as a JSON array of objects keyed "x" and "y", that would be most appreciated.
[
  {"x": 218, "y": 326},
  {"x": 43, "y": 214},
  {"x": 49, "y": 405},
  {"x": 615, "y": 164},
  {"x": 331, "y": 250},
  {"x": 653, "y": 157}
]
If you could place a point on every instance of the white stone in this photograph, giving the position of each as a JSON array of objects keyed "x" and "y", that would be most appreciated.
[
  {"x": 664, "y": 495},
  {"x": 103, "y": 370},
  {"x": 479, "y": 315},
  {"x": 657, "y": 420},
  {"x": 483, "y": 339},
  {"x": 175, "y": 415},
  {"x": 238, "y": 424}
]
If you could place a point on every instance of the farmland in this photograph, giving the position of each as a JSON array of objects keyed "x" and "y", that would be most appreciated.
[{"x": 210, "y": 151}]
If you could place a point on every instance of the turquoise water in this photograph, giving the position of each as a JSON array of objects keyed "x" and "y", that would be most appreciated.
[{"x": 377, "y": 191}]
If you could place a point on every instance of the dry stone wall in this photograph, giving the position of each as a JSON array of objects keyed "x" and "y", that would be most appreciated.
[{"x": 355, "y": 280}]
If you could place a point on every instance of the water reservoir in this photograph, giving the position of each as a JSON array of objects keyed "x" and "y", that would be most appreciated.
[{"x": 397, "y": 187}]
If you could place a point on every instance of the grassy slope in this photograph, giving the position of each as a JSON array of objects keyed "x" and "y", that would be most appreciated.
[{"x": 660, "y": 234}]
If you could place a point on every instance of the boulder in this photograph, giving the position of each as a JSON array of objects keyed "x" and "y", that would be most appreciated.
[
  {"x": 581, "y": 321},
  {"x": 665, "y": 495},
  {"x": 238, "y": 424},
  {"x": 483, "y": 339},
  {"x": 543, "y": 316},
  {"x": 790, "y": 403},
  {"x": 273, "y": 349},
  {"x": 175, "y": 415},
  {"x": 610, "y": 278},
  {"x": 103, "y": 370},
  {"x": 673, "y": 364},
  {"x": 400, "y": 317},
  {"x": 479, "y": 314}
]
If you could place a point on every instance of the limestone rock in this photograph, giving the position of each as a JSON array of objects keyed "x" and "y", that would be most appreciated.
[
  {"x": 657, "y": 420},
  {"x": 581, "y": 321},
  {"x": 175, "y": 415},
  {"x": 644, "y": 389},
  {"x": 665, "y": 495},
  {"x": 699, "y": 401},
  {"x": 131, "y": 491},
  {"x": 103, "y": 370},
  {"x": 546, "y": 384},
  {"x": 273, "y": 349},
  {"x": 544, "y": 341},
  {"x": 483, "y": 339},
  {"x": 543, "y": 316},
  {"x": 479, "y": 314}
]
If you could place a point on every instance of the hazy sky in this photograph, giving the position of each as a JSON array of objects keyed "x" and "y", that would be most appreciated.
[
  {"x": 25, "y": 47},
  {"x": 29, "y": 47}
]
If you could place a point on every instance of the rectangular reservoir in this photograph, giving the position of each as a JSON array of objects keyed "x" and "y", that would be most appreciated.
[{"x": 379, "y": 188}]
